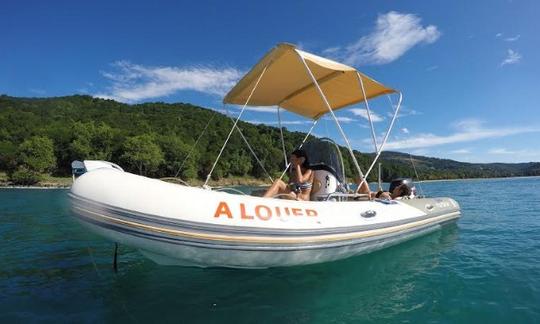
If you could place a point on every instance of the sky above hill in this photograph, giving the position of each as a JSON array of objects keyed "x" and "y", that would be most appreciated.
[{"x": 469, "y": 70}]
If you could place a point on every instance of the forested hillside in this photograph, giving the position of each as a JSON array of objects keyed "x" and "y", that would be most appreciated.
[{"x": 44, "y": 135}]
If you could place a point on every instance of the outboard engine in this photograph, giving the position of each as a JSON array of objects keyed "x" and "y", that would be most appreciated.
[
  {"x": 324, "y": 183},
  {"x": 399, "y": 181}
]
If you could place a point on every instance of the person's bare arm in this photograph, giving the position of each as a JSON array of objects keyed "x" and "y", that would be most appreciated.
[
  {"x": 306, "y": 177},
  {"x": 298, "y": 173}
]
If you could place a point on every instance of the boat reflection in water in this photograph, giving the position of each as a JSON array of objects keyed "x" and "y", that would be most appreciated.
[{"x": 382, "y": 284}]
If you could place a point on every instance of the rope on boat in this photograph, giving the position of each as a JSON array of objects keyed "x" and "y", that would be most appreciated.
[
  {"x": 93, "y": 261},
  {"x": 234, "y": 126},
  {"x": 98, "y": 272},
  {"x": 251, "y": 149},
  {"x": 373, "y": 137},
  {"x": 173, "y": 180},
  {"x": 194, "y": 145},
  {"x": 417, "y": 177},
  {"x": 410, "y": 157}
]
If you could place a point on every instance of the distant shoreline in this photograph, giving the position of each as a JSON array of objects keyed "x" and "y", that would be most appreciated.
[
  {"x": 239, "y": 182},
  {"x": 65, "y": 183},
  {"x": 33, "y": 187},
  {"x": 471, "y": 179}
]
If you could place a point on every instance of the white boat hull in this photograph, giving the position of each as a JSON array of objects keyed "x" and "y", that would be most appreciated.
[{"x": 179, "y": 225}]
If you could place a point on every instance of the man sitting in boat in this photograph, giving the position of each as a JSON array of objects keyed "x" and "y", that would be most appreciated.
[
  {"x": 301, "y": 179},
  {"x": 398, "y": 192}
]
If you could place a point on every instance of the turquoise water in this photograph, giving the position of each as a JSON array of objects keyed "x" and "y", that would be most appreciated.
[{"x": 484, "y": 269}]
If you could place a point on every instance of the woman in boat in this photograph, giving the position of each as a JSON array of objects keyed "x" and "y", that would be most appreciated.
[
  {"x": 301, "y": 179},
  {"x": 402, "y": 190}
]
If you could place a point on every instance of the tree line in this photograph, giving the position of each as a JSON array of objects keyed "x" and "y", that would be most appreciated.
[{"x": 44, "y": 135}]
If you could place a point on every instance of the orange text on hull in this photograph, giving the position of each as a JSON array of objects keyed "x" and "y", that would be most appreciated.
[{"x": 261, "y": 212}]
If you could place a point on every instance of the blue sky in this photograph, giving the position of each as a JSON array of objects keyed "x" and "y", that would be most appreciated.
[{"x": 469, "y": 70}]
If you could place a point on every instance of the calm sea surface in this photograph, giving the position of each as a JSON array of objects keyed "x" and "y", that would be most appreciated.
[{"x": 485, "y": 269}]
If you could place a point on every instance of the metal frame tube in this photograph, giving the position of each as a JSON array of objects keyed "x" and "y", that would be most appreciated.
[
  {"x": 373, "y": 137},
  {"x": 281, "y": 135},
  {"x": 314, "y": 80},
  {"x": 364, "y": 179}
]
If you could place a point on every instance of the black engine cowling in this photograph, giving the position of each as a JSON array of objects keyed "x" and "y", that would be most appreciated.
[{"x": 399, "y": 181}]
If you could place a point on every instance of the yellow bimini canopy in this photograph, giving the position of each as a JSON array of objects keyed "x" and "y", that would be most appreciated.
[{"x": 287, "y": 83}]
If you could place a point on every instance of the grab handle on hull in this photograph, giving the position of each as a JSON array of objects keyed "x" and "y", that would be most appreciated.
[{"x": 368, "y": 213}]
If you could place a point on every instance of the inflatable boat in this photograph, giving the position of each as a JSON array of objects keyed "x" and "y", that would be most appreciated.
[{"x": 175, "y": 224}]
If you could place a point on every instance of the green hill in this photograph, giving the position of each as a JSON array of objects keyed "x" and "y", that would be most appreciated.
[
  {"x": 430, "y": 168},
  {"x": 43, "y": 135}
]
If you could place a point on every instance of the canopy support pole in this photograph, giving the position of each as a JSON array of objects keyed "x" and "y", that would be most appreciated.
[
  {"x": 233, "y": 128},
  {"x": 373, "y": 137},
  {"x": 379, "y": 178},
  {"x": 281, "y": 135},
  {"x": 314, "y": 80},
  {"x": 383, "y": 143},
  {"x": 300, "y": 146}
]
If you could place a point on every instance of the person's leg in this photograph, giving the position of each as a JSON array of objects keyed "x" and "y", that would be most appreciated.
[
  {"x": 304, "y": 195},
  {"x": 385, "y": 195},
  {"x": 364, "y": 187},
  {"x": 289, "y": 195},
  {"x": 277, "y": 187}
]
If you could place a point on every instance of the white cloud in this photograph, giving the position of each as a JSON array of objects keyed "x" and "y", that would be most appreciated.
[
  {"x": 468, "y": 124},
  {"x": 460, "y": 151},
  {"x": 420, "y": 152},
  {"x": 331, "y": 51},
  {"x": 283, "y": 122},
  {"x": 405, "y": 130},
  {"x": 224, "y": 111},
  {"x": 515, "y": 155},
  {"x": 361, "y": 112},
  {"x": 404, "y": 112},
  {"x": 37, "y": 91},
  {"x": 512, "y": 39},
  {"x": 468, "y": 131},
  {"x": 341, "y": 119},
  {"x": 394, "y": 34},
  {"x": 501, "y": 151},
  {"x": 498, "y": 35},
  {"x": 133, "y": 82},
  {"x": 512, "y": 57},
  {"x": 260, "y": 109},
  {"x": 237, "y": 109}
]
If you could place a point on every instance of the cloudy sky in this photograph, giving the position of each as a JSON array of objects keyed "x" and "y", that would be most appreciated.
[{"x": 469, "y": 70}]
